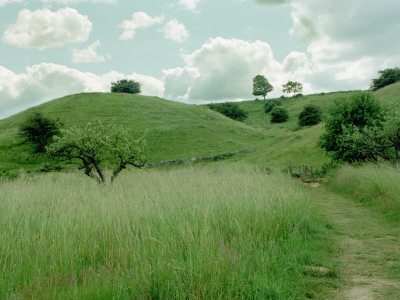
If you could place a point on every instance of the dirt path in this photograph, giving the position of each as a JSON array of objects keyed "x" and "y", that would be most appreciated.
[{"x": 370, "y": 248}]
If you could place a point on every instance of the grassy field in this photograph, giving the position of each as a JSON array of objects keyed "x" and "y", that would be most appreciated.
[
  {"x": 213, "y": 232},
  {"x": 374, "y": 185}
]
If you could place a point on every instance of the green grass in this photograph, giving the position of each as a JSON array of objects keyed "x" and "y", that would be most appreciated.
[
  {"x": 175, "y": 130},
  {"x": 374, "y": 185},
  {"x": 215, "y": 232}
]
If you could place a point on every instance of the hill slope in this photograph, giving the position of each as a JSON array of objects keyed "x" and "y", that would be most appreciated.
[
  {"x": 175, "y": 130},
  {"x": 179, "y": 130}
]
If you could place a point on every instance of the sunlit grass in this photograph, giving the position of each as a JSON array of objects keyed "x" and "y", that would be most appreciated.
[
  {"x": 376, "y": 185},
  {"x": 215, "y": 232}
]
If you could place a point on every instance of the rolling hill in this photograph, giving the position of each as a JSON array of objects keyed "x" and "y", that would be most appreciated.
[{"x": 177, "y": 130}]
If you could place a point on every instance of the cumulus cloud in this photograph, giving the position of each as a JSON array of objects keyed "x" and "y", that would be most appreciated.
[
  {"x": 88, "y": 55},
  {"x": 190, "y": 4},
  {"x": 140, "y": 20},
  {"x": 46, "y": 81},
  {"x": 220, "y": 69},
  {"x": 175, "y": 31},
  {"x": 43, "y": 28}
]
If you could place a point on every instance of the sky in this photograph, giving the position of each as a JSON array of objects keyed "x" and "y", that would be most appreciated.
[{"x": 193, "y": 51}]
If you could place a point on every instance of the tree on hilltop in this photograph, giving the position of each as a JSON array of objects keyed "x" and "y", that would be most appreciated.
[
  {"x": 292, "y": 87},
  {"x": 126, "y": 86},
  {"x": 261, "y": 86},
  {"x": 387, "y": 76}
]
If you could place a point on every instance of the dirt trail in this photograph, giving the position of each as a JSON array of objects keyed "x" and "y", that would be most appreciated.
[{"x": 370, "y": 248}]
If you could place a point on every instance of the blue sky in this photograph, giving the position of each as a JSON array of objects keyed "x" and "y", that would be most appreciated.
[{"x": 192, "y": 51}]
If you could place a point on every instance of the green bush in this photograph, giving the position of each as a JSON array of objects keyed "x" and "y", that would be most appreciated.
[
  {"x": 126, "y": 86},
  {"x": 311, "y": 115},
  {"x": 387, "y": 76},
  {"x": 346, "y": 118},
  {"x": 270, "y": 104},
  {"x": 39, "y": 131},
  {"x": 229, "y": 110},
  {"x": 279, "y": 115}
]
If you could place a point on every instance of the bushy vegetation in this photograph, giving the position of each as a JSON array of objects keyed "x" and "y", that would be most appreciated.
[
  {"x": 345, "y": 118},
  {"x": 270, "y": 104},
  {"x": 99, "y": 146},
  {"x": 387, "y": 76},
  {"x": 375, "y": 185},
  {"x": 39, "y": 130},
  {"x": 220, "y": 232},
  {"x": 279, "y": 115},
  {"x": 126, "y": 86},
  {"x": 230, "y": 110},
  {"x": 311, "y": 115}
]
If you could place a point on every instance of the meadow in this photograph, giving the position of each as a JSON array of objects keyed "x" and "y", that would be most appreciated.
[{"x": 219, "y": 231}]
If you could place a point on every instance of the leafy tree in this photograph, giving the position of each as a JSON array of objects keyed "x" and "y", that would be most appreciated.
[
  {"x": 292, "y": 87},
  {"x": 346, "y": 118},
  {"x": 387, "y": 76},
  {"x": 126, "y": 86},
  {"x": 261, "y": 86},
  {"x": 39, "y": 130},
  {"x": 279, "y": 115},
  {"x": 270, "y": 104},
  {"x": 230, "y": 110},
  {"x": 97, "y": 147},
  {"x": 311, "y": 115}
]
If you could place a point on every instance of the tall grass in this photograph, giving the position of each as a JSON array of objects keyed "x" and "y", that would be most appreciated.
[
  {"x": 208, "y": 232},
  {"x": 376, "y": 185}
]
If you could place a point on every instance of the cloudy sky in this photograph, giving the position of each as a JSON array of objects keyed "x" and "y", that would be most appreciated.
[{"x": 192, "y": 51}]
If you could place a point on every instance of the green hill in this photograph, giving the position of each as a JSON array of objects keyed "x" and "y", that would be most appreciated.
[{"x": 177, "y": 130}]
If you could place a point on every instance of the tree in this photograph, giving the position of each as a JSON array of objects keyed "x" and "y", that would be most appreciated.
[
  {"x": 345, "y": 118},
  {"x": 387, "y": 76},
  {"x": 261, "y": 86},
  {"x": 126, "y": 86},
  {"x": 97, "y": 147},
  {"x": 270, "y": 104},
  {"x": 292, "y": 87},
  {"x": 39, "y": 130},
  {"x": 230, "y": 110},
  {"x": 279, "y": 115},
  {"x": 311, "y": 115}
]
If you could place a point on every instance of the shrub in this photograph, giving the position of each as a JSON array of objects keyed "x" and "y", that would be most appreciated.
[
  {"x": 311, "y": 115},
  {"x": 270, "y": 104},
  {"x": 39, "y": 131},
  {"x": 387, "y": 76},
  {"x": 229, "y": 110},
  {"x": 279, "y": 115},
  {"x": 126, "y": 86},
  {"x": 346, "y": 118}
]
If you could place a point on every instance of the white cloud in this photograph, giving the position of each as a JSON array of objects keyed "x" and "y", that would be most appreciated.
[
  {"x": 348, "y": 41},
  {"x": 88, "y": 55},
  {"x": 5, "y": 2},
  {"x": 221, "y": 69},
  {"x": 175, "y": 31},
  {"x": 139, "y": 20},
  {"x": 44, "y": 82},
  {"x": 190, "y": 4},
  {"x": 43, "y": 28}
]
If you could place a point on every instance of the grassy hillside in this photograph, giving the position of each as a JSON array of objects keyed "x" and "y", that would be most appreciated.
[
  {"x": 179, "y": 130},
  {"x": 175, "y": 130}
]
